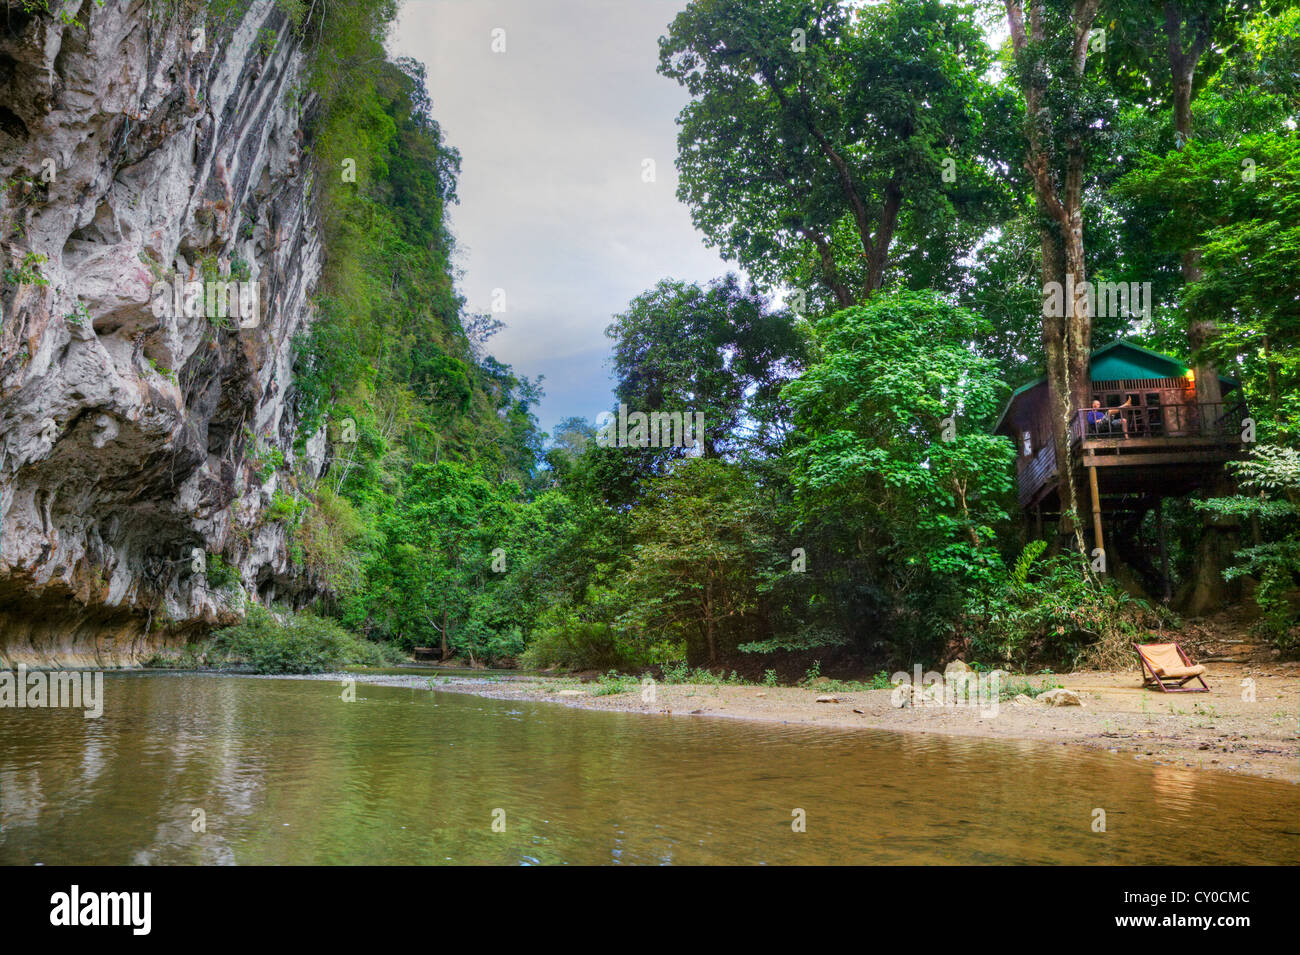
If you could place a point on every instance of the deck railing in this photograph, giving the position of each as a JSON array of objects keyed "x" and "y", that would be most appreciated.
[
  {"x": 1218, "y": 420},
  {"x": 1165, "y": 427}
]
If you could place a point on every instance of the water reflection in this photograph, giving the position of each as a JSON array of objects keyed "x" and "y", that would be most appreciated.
[{"x": 286, "y": 772}]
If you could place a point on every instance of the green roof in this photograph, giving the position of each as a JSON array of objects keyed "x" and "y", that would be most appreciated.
[{"x": 1120, "y": 359}]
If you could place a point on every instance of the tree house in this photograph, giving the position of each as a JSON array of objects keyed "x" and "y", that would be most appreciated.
[{"x": 1150, "y": 438}]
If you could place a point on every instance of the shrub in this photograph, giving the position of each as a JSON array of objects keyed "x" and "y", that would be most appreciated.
[
  {"x": 613, "y": 683},
  {"x": 284, "y": 507},
  {"x": 220, "y": 574},
  {"x": 1270, "y": 484},
  {"x": 328, "y": 537},
  {"x": 1014, "y": 688},
  {"x": 573, "y": 644},
  {"x": 298, "y": 643},
  {"x": 1057, "y": 609}
]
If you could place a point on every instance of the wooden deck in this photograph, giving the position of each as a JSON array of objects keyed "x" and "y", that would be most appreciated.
[{"x": 1168, "y": 453}]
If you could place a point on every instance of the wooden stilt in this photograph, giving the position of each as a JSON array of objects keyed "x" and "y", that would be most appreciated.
[
  {"x": 1164, "y": 551},
  {"x": 1096, "y": 509}
]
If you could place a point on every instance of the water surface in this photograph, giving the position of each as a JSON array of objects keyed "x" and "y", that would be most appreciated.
[{"x": 286, "y": 772}]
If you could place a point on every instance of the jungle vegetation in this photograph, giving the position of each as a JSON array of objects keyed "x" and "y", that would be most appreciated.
[{"x": 899, "y": 191}]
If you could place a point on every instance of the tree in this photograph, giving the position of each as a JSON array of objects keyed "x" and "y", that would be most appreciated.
[
  {"x": 1227, "y": 202},
  {"x": 1063, "y": 110},
  {"x": 891, "y": 457},
  {"x": 700, "y": 552},
  {"x": 1272, "y": 477},
  {"x": 1168, "y": 48},
  {"x": 447, "y": 525},
  {"x": 721, "y": 351},
  {"x": 1241, "y": 207},
  {"x": 570, "y": 441},
  {"x": 819, "y": 135}
]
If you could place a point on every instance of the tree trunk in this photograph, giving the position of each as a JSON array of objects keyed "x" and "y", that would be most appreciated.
[
  {"x": 1183, "y": 60},
  {"x": 708, "y": 622},
  {"x": 878, "y": 258},
  {"x": 1067, "y": 338},
  {"x": 1207, "y": 590}
]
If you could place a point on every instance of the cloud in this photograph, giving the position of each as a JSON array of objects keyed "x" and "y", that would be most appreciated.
[{"x": 553, "y": 134}]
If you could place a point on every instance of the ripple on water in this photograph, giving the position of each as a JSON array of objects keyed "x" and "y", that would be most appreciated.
[{"x": 287, "y": 772}]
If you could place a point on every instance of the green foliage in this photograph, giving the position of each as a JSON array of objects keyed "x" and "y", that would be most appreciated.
[
  {"x": 1247, "y": 224},
  {"x": 168, "y": 373},
  {"x": 220, "y": 574},
  {"x": 1056, "y": 609},
  {"x": 330, "y": 537},
  {"x": 79, "y": 316},
  {"x": 680, "y": 672},
  {"x": 892, "y": 461},
  {"x": 813, "y": 147},
  {"x": 67, "y": 13},
  {"x": 1019, "y": 578},
  {"x": 1010, "y": 689},
  {"x": 188, "y": 657},
  {"x": 880, "y": 681},
  {"x": 28, "y": 272},
  {"x": 721, "y": 351},
  {"x": 1270, "y": 485},
  {"x": 571, "y": 644},
  {"x": 266, "y": 460},
  {"x": 613, "y": 683},
  {"x": 701, "y": 554},
  {"x": 300, "y": 643},
  {"x": 284, "y": 507}
]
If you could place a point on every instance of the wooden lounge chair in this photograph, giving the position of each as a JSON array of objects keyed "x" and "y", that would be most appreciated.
[{"x": 1169, "y": 668}]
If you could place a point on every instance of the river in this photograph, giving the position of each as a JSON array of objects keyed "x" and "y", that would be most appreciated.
[{"x": 197, "y": 768}]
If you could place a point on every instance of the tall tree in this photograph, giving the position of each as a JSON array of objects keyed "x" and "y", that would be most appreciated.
[
  {"x": 893, "y": 457},
  {"x": 1164, "y": 51},
  {"x": 819, "y": 136},
  {"x": 1062, "y": 116},
  {"x": 720, "y": 350},
  {"x": 702, "y": 554},
  {"x": 1216, "y": 189}
]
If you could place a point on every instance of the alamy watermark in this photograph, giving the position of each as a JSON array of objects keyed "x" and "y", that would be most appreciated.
[
  {"x": 75, "y": 908},
  {"x": 656, "y": 429},
  {"x": 42, "y": 689},
  {"x": 1103, "y": 299},
  {"x": 982, "y": 690},
  {"x": 215, "y": 298}
]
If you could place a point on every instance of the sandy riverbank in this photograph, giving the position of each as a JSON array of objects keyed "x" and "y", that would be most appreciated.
[{"x": 1218, "y": 730}]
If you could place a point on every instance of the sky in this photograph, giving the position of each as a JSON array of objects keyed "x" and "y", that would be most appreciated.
[{"x": 555, "y": 220}]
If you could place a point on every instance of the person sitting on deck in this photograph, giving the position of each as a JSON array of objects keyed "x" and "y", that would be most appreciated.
[{"x": 1102, "y": 420}]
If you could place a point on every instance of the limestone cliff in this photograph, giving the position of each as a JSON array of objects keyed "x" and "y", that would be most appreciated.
[{"x": 143, "y": 150}]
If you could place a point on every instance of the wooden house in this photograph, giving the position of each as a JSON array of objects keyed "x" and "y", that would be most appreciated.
[{"x": 1150, "y": 438}]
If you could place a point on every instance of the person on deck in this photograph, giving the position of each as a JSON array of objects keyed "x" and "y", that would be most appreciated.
[{"x": 1102, "y": 420}]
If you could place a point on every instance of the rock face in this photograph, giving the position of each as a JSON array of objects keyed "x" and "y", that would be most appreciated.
[{"x": 138, "y": 439}]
